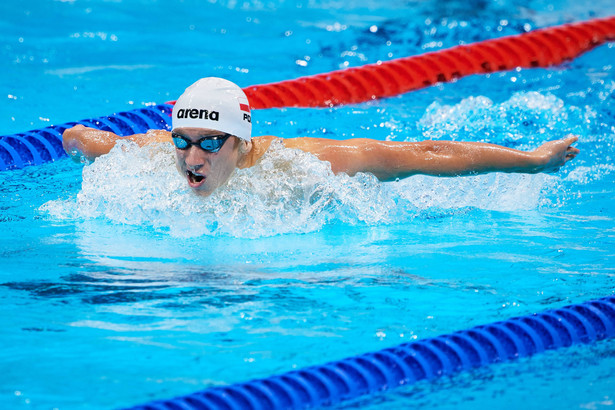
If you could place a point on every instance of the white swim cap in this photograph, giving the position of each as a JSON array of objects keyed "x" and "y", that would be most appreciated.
[{"x": 214, "y": 103}]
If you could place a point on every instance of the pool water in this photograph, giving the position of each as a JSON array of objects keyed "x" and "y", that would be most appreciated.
[{"x": 118, "y": 286}]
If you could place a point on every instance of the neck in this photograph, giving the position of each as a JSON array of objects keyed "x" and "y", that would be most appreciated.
[
  {"x": 255, "y": 150},
  {"x": 243, "y": 160}
]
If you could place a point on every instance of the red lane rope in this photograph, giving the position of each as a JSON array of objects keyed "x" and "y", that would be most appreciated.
[{"x": 539, "y": 48}]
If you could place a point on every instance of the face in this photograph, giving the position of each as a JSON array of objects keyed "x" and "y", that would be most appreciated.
[{"x": 206, "y": 171}]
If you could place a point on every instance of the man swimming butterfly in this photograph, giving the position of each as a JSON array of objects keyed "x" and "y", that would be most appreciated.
[{"x": 212, "y": 134}]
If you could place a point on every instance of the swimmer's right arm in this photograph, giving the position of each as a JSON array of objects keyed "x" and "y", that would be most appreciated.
[{"x": 88, "y": 143}]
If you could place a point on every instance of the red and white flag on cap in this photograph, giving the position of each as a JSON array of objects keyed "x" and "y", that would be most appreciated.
[{"x": 244, "y": 105}]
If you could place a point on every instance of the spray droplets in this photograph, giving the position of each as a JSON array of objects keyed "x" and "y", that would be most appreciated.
[{"x": 288, "y": 191}]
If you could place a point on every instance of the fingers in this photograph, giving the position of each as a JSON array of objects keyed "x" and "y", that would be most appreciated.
[
  {"x": 571, "y": 139},
  {"x": 573, "y": 150}
]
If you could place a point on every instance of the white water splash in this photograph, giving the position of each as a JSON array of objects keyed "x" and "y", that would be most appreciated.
[
  {"x": 288, "y": 191},
  {"x": 525, "y": 120}
]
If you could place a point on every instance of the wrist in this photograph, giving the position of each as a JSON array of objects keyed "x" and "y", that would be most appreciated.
[{"x": 537, "y": 161}]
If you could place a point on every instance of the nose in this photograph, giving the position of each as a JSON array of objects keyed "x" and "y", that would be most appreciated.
[{"x": 194, "y": 158}]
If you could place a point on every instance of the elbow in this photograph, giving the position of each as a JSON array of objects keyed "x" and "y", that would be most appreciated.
[
  {"x": 72, "y": 141},
  {"x": 85, "y": 144}
]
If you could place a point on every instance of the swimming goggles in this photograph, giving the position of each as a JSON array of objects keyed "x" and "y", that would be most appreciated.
[{"x": 212, "y": 143}]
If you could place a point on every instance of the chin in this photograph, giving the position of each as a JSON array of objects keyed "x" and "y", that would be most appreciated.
[{"x": 202, "y": 192}]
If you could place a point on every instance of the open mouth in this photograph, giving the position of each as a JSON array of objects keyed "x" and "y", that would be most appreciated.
[{"x": 195, "y": 180}]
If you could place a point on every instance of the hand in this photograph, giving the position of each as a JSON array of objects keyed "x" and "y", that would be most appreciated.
[{"x": 553, "y": 155}]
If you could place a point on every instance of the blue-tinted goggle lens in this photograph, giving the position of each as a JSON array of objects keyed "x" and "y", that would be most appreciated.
[{"x": 210, "y": 144}]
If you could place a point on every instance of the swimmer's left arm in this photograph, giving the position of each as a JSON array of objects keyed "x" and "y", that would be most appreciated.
[{"x": 389, "y": 160}]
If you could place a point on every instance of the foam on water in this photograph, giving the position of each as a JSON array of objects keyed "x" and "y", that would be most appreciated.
[
  {"x": 290, "y": 191},
  {"x": 378, "y": 271},
  {"x": 524, "y": 120}
]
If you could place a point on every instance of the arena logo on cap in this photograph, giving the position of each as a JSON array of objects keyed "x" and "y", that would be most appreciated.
[{"x": 200, "y": 114}]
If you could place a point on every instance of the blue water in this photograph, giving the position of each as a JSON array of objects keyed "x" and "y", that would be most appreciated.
[{"x": 117, "y": 286}]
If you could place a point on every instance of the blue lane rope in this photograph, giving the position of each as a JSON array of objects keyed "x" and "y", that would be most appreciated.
[
  {"x": 408, "y": 363},
  {"x": 45, "y": 145}
]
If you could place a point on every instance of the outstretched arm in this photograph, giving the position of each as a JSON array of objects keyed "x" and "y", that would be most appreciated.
[
  {"x": 89, "y": 143},
  {"x": 389, "y": 160}
]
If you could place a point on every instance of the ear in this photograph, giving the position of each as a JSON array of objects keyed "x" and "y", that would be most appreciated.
[{"x": 245, "y": 146}]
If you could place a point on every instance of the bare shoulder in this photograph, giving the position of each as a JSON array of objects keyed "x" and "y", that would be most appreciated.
[
  {"x": 343, "y": 155},
  {"x": 260, "y": 145}
]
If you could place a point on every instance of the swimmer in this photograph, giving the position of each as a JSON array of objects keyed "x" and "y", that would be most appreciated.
[{"x": 212, "y": 135}]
